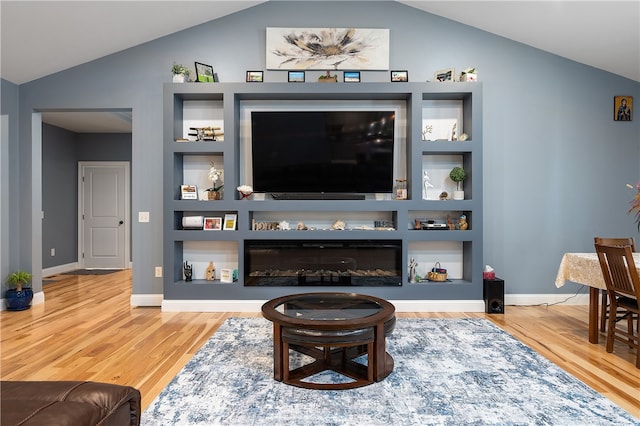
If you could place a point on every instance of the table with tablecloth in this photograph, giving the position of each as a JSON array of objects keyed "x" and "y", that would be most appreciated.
[{"x": 584, "y": 268}]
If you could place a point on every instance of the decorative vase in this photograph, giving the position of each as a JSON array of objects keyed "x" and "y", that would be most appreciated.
[
  {"x": 214, "y": 195},
  {"x": 458, "y": 195},
  {"x": 18, "y": 300},
  {"x": 178, "y": 78}
]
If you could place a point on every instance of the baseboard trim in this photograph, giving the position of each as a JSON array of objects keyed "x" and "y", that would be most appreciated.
[
  {"x": 146, "y": 300},
  {"x": 60, "y": 269},
  {"x": 401, "y": 305}
]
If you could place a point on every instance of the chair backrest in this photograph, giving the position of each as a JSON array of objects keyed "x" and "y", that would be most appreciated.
[
  {"x": 619, "y": 270},
  {"x": 616, "y": 242}
]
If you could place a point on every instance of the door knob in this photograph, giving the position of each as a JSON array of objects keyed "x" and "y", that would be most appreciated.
[{"x": 121, "y": 222}]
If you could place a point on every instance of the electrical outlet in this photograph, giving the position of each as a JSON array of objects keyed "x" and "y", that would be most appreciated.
[
  {"x": 53, "y": 252},
  {"x": 158, "y": 271},
  {"x": 143, "y": 216}
]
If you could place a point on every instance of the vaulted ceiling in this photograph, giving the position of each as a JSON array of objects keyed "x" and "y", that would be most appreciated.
[{"x": 39, "y": 38}]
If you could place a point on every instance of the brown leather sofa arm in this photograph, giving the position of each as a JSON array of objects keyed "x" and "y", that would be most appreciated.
[{"x": 69, "y": 403}]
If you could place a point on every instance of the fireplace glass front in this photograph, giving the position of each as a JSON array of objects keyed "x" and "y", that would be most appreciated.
[{"x": 282, "y": 263}]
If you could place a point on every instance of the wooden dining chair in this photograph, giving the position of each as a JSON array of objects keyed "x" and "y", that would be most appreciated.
[
  {"x": 604, "y": 303},
  {"x": 623, "y": 285}
]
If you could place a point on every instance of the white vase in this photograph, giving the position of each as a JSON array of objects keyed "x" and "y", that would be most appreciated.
[
  {"x": 458, "y": 195},
  {"x": 178, "y": 78}
]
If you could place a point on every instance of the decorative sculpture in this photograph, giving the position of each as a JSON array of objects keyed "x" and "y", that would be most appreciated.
[
  {"x": 211, "y": 272},
  {"x": 412, "y": 270},
  {"x": 426, "y": 183},
  {"x": 188, "y": 271}
]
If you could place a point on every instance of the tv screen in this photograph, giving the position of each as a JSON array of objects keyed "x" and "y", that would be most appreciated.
[{"x": 322, "y": 151}]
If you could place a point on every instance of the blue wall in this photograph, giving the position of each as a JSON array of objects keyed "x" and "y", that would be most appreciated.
[{"x": 555, "y": 162}]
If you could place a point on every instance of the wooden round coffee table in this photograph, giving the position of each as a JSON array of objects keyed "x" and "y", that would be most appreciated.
[{"x": 334, "y": 329}]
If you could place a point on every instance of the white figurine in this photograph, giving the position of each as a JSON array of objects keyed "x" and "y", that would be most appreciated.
[
  {"x": 426, "y": 184},
  {"x": 412, "y": 270}
]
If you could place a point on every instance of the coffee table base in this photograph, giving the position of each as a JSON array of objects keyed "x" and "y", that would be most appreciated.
[{"x": 339, "y": 360}]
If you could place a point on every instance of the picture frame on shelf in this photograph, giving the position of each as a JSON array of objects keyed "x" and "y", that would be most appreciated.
[
  {"x": 295, "y": 77},
  {"x": 212, "y": 223},
  {"x": 226, "y": 276},
  {"x": 351, "y": 77},
  {"x": 622, "y": 108},
  {"x": 204, "y": 73},
  {"x": 255, "y": 76},
  {"x": 444, "y": 75},
  {"x": 230, "y": 221},
  {"x": 188, "y": 192},
  {"x": 399, "y": 76}
]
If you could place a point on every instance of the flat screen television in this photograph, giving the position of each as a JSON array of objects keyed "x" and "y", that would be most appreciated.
[{"x": 322, "y": 152}]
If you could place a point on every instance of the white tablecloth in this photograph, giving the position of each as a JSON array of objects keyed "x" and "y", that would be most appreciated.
[{"x": 584, "y": 268}]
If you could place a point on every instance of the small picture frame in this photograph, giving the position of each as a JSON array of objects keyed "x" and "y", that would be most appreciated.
[
  {"x": 255, "y": 76},
  {"x": 622, "y": 108},
  {"x": 399, "y": 76},
  {"x": 351, "y": 77},
  {"x": 212, "y": 223},
  {"x": 226, "y": 276},
  {"x": 230, "y": 222},
  {"x": 188, "y": 192},
  {"x": 444, "y": 75},
  {"x": 204, "y": 73},
  {"x": 296, "y": 77}
]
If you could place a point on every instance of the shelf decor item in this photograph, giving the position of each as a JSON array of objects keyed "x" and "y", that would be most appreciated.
[
  {"x": 469, "y": 75},
  {"x": 230, "y": 222},
  {"x": 445, "y": 75},
  {"x": 399, "y": 76},
  {"x": 328, "y": 78},
  {"x": 437, "y": 273},
  {"x": 180, "y": 73},
  {"x": 213, "y": 193},
  {"x": 245, "y": 192},
  {"x": 204, "y": 73},
  {"x": 296, "y": 77},
  {"x": 255, "y": 76},
  {"x": 457, "y": 175}
]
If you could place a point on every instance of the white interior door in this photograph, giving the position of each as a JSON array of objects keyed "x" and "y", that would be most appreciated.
[{"x": 104, "y": 214}]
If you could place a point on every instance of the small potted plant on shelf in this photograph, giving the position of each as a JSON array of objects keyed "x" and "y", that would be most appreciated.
[
  {"x": 19, "y": 295},
  {"x": 328, "y": 78},
  {"x": 457, "y": 175},
  {"x": 469, "y": 75},
  {"x": 180, "y": 73},
  {"x": 214, "y": 193}
]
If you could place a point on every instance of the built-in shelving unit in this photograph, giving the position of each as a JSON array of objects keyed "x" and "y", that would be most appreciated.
[{"x": 424, "y": 111}]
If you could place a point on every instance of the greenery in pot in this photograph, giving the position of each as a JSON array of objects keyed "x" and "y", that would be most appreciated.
[
  {"x": 19, "y": 279},
  {"x": 457, "y": 175},
  {"x": 179, "y": 69}
]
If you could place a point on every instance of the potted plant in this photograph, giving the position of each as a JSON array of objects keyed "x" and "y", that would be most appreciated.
[
  {"x": 328, "y": 78},
  {"x": 214, "y": 175},
  {"x": 469, "y": 75},
  {"x": 457, "y": 175},
  {"x": 180, "y": 73},
  {"x": 19, "y": 295}
]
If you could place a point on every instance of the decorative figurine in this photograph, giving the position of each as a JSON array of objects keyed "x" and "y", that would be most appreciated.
[
  {"x": 339, "y": 225},
  {"x": 462, "y": 223},
  {"x": 450, "y": 224},
  {"x": 188, "y": 271},
  {"x": 426, "y": 183},
  {"x": 427, "y": 130},
  {"x": 284, "y": 226},
  {"x": 453, "y": 132},
  {"x": 412, "y": 270},
  {"x": 444, "y": 195},
  {"x": 211, "y": 272}
]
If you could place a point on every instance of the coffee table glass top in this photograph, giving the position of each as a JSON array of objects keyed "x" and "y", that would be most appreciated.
[{"x": 328, "y": 307}]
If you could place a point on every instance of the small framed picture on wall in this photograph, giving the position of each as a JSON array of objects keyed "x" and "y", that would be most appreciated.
[
  {"x": 351, "y": 77},
  {"x": 399, "y": 76},
  {"x": 622, "y": 108}
]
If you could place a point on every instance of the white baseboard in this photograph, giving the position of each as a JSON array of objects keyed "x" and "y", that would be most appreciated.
[
  {"x": 60, "y": 269},
  {"x": 401, "y": 305},
  {"x": 146, "y": 300}
]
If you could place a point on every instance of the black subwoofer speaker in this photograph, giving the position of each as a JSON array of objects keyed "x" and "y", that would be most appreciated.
[{"x": 494, "y": 296}]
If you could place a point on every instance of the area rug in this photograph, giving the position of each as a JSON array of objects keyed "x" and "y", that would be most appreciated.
[{"x": 447, "y": 372}]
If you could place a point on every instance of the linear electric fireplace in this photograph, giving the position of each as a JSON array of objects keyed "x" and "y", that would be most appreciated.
[{"x": 281, "y": 263}]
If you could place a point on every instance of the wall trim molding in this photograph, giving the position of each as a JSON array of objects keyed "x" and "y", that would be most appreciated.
[{"x": 59, "y": 269}]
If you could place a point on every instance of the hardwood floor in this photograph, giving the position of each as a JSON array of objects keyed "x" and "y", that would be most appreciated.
[{"x": 86, "y": 330}]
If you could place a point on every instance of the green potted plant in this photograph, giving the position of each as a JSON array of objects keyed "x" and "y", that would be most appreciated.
[
  {"x": 180, "y": 73},
  {"x": 457, "y": 175},
  {"x": 19, "y": 295}
]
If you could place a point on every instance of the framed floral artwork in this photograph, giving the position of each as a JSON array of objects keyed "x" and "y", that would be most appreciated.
[{"x": 327, "y": 48}]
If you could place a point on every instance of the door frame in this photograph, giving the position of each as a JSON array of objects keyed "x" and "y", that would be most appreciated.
[{"x": 127, "y": 207}]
